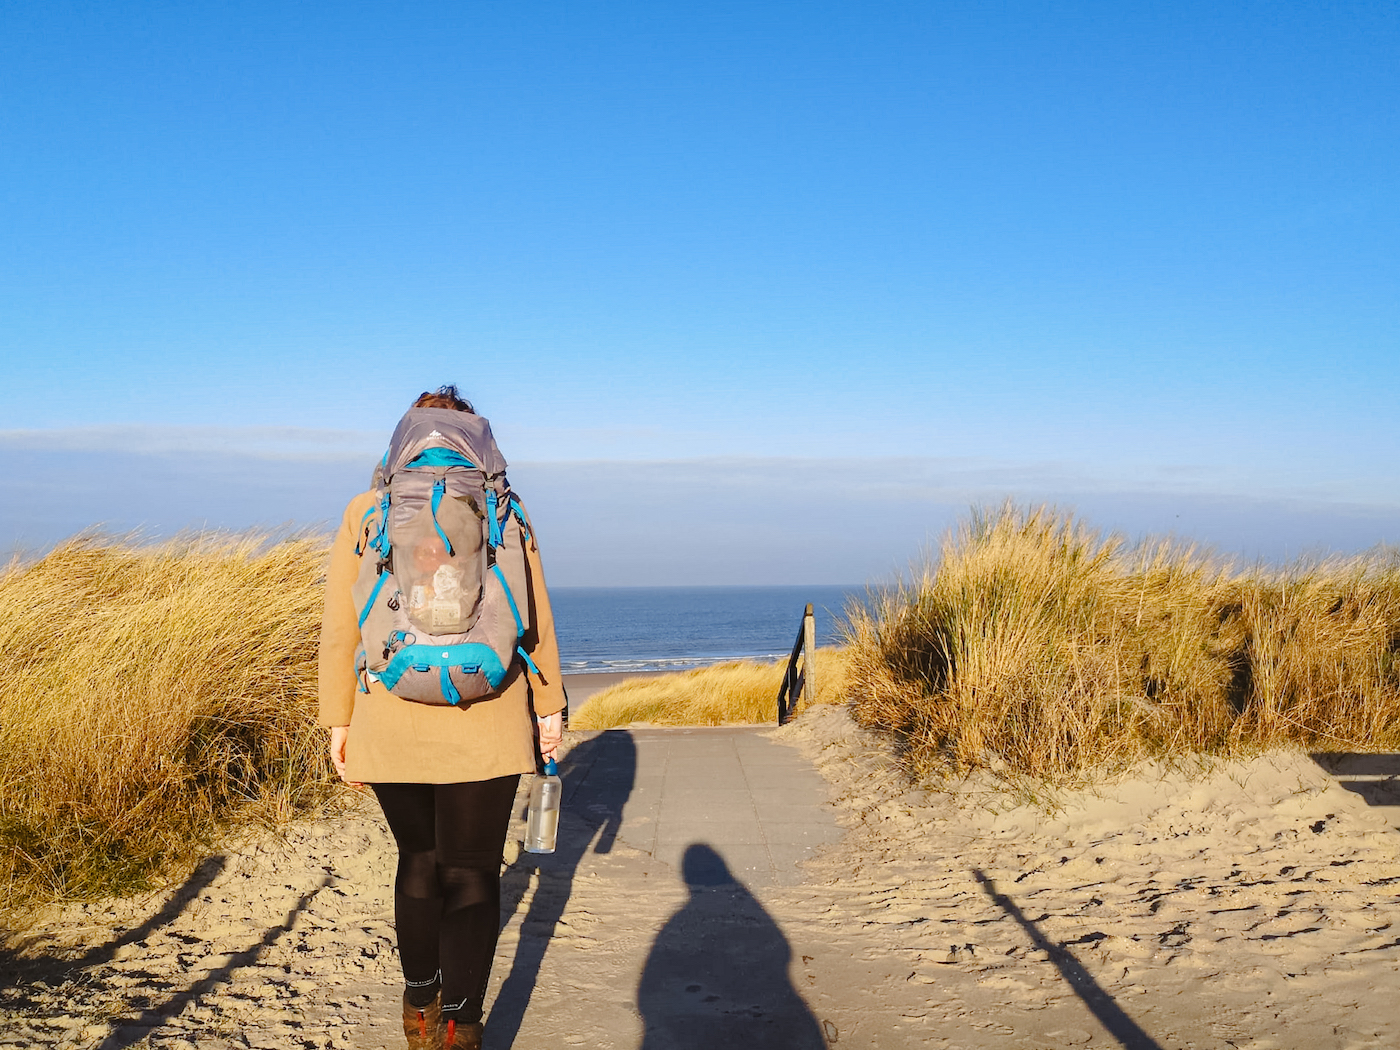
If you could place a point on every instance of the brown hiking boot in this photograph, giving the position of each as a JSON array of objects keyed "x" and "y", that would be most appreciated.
[
  {"x": 422, "y": 1025},
  {"x": 462, "y": 1036}
]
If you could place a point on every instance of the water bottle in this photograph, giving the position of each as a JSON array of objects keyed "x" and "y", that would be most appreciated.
[{"x": 543, "y": 825}]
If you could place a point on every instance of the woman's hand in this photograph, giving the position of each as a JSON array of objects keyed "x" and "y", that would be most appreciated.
[
  {"x": 339, "y": 735},
  {"x": 551, "y": 733}
]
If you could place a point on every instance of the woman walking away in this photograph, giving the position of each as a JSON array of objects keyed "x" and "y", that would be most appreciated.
[{"x": 439, "y": 672}]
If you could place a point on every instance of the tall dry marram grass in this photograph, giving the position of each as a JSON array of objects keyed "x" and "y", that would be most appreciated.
[
  {"x": 739, "y": 692},
  {"x": 1037, "y": 647},
  {"x": 152, "y": 697}
]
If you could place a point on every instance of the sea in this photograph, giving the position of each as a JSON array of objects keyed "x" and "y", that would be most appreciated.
[{"x": 611, "y": 629}]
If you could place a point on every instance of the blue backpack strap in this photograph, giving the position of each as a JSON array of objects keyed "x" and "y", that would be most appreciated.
[
  {"x": 380, "y": 542},
  {"x": 364, "y": 613},
  {"x": 528, "y": 662},
  {"x": 495, "y": 538},
  {"x": 514, "y": 609},
  {"x": 449, "y": 687},
  {"x": 440, "y": 487},
  {"x": 360, "y": 535},
  {"x": 519, "y": 512}
]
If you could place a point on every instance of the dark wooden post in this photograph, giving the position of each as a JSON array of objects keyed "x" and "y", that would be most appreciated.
[{"x": 797, "y": 683}]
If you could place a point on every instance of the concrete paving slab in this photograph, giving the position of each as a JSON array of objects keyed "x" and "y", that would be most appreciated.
[
  {"x": 729, "y": 833},
  {"x": 713, "y": 793},
  {"x": 711, "y": 756},
  {"x": 782, "y": 796},
  {"x": 677, "y": 821},
  {"x": 700, "y": 811},
  {"x": 800, "y": 834},
  {"x": 727, "y": 786}
]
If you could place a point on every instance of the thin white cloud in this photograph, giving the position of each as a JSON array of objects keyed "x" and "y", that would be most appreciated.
[
  {"x": 717, "y": 520},
  {"x": 842, "y": 521},
  {"x": 939, "y": 479},
  {"x": 959, "y": 480},
  {"x": 149, "y": 440}
]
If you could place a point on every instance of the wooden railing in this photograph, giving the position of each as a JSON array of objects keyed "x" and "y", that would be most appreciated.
[{"x": 798, "y": 684}]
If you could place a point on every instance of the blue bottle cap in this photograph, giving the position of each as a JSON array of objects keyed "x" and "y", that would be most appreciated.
[{"x": 550, "y": 769}]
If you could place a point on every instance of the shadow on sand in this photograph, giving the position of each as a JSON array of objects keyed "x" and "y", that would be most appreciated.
[
  {"x": 598, "y": 775},
  {"x": 27, "y": 964},
  {"x": 717, "y": 974},
  {"x": 23, "y": 970},
  {"x": 38, "y": 968},
  {"x": 1100, "y": 1003}
]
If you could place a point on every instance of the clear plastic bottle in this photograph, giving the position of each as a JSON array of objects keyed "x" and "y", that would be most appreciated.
[{"x": 543, "y": 825}]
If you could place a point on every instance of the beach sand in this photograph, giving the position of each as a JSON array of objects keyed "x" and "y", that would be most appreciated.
[{"x": 1253, "y": 906}]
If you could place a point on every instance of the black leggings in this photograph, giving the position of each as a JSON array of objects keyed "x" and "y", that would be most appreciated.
[{"x": 447, "y": 893}]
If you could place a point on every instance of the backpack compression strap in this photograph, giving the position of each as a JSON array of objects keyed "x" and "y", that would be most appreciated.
[
  {"x": 495, "y": 538},
  {"x": 440, "y": 487}
]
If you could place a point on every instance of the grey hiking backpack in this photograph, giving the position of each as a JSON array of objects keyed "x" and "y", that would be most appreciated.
[{"x": 442, "y": 564}]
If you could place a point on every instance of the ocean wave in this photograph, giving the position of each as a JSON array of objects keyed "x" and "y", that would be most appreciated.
[
  {"x": 650, "y": 630},
  {"x": 659, "y": 664}
]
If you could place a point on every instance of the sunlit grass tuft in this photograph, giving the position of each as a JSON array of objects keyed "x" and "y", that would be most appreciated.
[
  {"x": 152, "y": 698},
  {"x": 740, "y": 692},
  {"x": 1037, "y": 646}
]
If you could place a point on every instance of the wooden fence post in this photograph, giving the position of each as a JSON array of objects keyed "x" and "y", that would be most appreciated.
[
  {"x": 797, "y": 684},
  {"x": 809, "y": 633}
]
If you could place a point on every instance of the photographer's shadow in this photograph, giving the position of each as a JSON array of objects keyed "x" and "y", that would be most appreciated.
[
  {"x": 717, "y": 975},
  {"x": 598, "y": 776}
]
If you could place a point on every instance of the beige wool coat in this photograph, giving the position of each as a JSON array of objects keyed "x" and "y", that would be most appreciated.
[{"x": 392, "y": 740}]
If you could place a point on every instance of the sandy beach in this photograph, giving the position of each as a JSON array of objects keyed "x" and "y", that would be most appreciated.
[{"x": 1252, "y": 906}]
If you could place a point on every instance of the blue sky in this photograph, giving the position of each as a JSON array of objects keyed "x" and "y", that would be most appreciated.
[{"x": 876, "y": 260}]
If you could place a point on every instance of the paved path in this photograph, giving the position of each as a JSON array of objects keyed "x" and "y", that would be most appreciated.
[
  {"x": 758, "y": 804},
  {"x": 648, "y": 926}
]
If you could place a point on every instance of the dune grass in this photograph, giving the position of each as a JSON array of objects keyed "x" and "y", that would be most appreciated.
[
  {"x": 152, "y": 698},
  {"x": 739, "y": 692},
  {"x": 1036, "y": 646}
]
